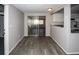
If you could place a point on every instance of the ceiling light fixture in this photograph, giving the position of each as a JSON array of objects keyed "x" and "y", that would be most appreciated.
[{"x": 49, "y": 9}]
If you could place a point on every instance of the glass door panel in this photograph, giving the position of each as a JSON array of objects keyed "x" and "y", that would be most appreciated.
[
  {"x": 36, "y": 26},
  {"x": 42, "y": 26}
]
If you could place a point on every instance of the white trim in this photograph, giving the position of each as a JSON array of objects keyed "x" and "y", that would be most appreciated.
[
  {"x": 60, "y": 46},
  {"x": 72, "y": 53},
  {"x": 64, "y": 49},
  {"x": 16, "y": 44},
  {"x": 6, "y": 31}
]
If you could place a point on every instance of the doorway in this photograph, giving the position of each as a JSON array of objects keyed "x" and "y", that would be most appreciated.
[
  {"x": 36, "y": 25},
  {"x": 1, "y": 29}
]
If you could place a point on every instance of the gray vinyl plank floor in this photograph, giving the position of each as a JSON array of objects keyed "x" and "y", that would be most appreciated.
[{"x": 37, "y": 46}]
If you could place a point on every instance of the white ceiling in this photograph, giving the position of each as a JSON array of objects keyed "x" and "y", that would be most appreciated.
[{"x": 36, "y": 8}]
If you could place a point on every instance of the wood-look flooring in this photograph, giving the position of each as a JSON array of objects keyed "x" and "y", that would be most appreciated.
[{"x": 37, "y": 46}]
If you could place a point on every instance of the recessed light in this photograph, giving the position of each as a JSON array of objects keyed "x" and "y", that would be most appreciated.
[{"x": 49, "y": 9}]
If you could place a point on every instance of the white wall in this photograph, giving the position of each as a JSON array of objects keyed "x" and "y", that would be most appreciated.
[
  {"x": 74, "y": 39},
  {"x": 63, "y": 37},
  {"x": 48, "y": 20},
  {"x": 25, "y": 25},
  {"x": 15, "y": 26},
  {"x": 67, "y": 16},
  {"x": 6, "y": 27},
  {"x": 61, "y": 34},
  {"x": 73, "y": 43},
  {"x": 48, "y": 23}
]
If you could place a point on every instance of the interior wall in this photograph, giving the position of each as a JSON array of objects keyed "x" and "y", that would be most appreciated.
[
  {"x": 67, "y": 16},
  {"x": 74, "y": 38},
  {"x": 63, "y": 37},
  {"x": 6, "y": 27},
  {"x": 61, "y": 34},
  {"x": 48, "y": 20},
  {"x": 15, "y": 27},
  {"x": 58, "y": 33}
]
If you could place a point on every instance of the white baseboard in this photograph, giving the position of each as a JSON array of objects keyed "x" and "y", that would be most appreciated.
[
  {"x": 60, "y": 46},
  {"x": 71, "y": 53},
  {"x": 16, "y": 44}
]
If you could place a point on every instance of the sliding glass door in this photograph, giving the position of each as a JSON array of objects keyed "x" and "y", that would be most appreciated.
[{"x": 36, "y": 25}]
